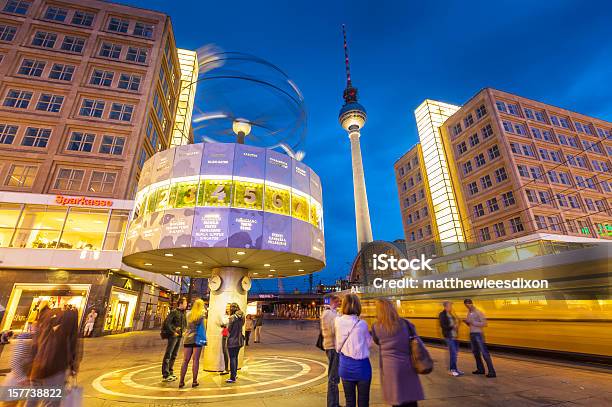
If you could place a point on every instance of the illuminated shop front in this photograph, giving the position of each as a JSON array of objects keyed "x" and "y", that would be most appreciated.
[{"x": 120, "y": 310}]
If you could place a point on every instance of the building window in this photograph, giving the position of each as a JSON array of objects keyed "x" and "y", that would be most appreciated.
[
  {"x": 499, "y": 229},
  {"x": 520, "y": 129},
  {"x": 473, "y": 188},
  {"x": 553, "y": 222},
  {"x": 527, "y": 150},
  {"x": 508, "y": 199},
  {"x": 529, "y": 113},
  {"x": 136, "y": 55},
  {"x": 101, "y": 78},
  {"x": 50, "y": 103},
  {"x": 19, "y": 99},
  {"x": 143, "y": 30},
  {"x": 474, "y": 140},
  {"x": 461, "y": 147},
  {"x": 82, "y": 18},
  {"x": 552, "y": 176},
  {"x": 129, "y": 82},
  {"x": 545, "y": 197},
  {"x": 564, "y": 178},
  {"x": 573, "y": 201},
  {"x": 561, "y": 199},
  {"x": 7, "y": 133},
  {"x": 142, "y": 158},
  {"x": 62, "y": 72},
  {"x": 110, "y": 50},
  {"x": 44, "y": 39},
  {"x": 500, "y": 174},
  {"x": 487, "y": 131},
  {"x": 7, "y": 32},
  {"x": 486, "y": 182},
  {"x": 508, "y": 126},
  {"x": 484, "y": 234},
  {"x": 468, "y": 121},
  {"x": 467, "y": 167},
  {"x": 531, "y": 196},
  {"x": 119, "y": 25},
  {"x": 82, "y": 142},
  {"x": 536, "y": 173},
  {"x": 69, "y": 179},
  {"x": 513, "y": 109},
  {"x": 73, "y": 44},
  {"x": 456, "y": 129},
  {"x": 493, "y": 152},
  {"x": 36, "y": 137},
  {"x": 481, "y": 111},
  {"x": 516, "y": 225},
  {"x": 112, "y": 145},
  {"x": 544, "y": 154},
  {"x": 31, "y": 67},
  {"x": 501, "y": 106},
  {"x": 540, "y": 222},
  {"x": 564, "y": 123},
  {"x": 523, "y": 170},
  {"x": 589, "y": 204},
  {"x": 492, "y": 205},
  {"x": 479, "y": 160},
  {"x": 17, "y": 6},
  {"x": 478, "y": 210},
  {"x": 102, "y": 182},
  {"x": 121, "y": 112},
  {"x": 21, "y": 176},
  {"x": 56, "y": 14},
  {"x": 92, "y": 108}
]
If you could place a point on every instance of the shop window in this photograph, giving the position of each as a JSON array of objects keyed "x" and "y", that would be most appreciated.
[
  {"x": 116, "y": 230},
  {"x": 84, "y": 229},
  {"x": 39, "y": 227},
  {"x": 9, "y": 215}
]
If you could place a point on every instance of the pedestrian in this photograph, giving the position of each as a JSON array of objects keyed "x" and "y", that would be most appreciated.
[
  {"x": 258, "y": 325},
  {"x": 449, "y": 324},
  {"x": 400, "y": 383},
  {"x": 476, "y": 320},
  {"x": 328, "y": 320},
  {"x": 195, "y": 338},
  {"x": 224, "y": 335},
  {"x": 248, "y": 328},
  {"x": 235, "y": 339},
  {"x": 172, "y": 330},
  {"x": 353, "y": 343},
  {"x": 89, "y": 322},
  {"x": 21, "y": 359}
]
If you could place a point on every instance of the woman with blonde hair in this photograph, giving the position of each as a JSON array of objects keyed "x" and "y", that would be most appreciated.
[
  {"x": 400, "y": 383},
  {"x": 195, "y": 338}
]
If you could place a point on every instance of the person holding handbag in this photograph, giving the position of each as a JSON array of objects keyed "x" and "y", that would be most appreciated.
[
  {"x": 353, "y": 343},
  {"x": 195, "y": 339},
  {"x": 400, "y": 383}
]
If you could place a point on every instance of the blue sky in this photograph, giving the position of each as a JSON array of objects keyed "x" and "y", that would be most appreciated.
[{"x": 558, "y": 52}]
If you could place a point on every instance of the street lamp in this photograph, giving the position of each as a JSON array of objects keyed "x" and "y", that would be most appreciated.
[{"x": 241, "y": 128}]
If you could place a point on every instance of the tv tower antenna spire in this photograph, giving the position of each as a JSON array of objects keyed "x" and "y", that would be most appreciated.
[{"x": 350, "y": 93}]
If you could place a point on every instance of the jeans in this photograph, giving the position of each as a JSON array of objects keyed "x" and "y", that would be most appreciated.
[
  {"x": 357, "y": 393},
  {"x": 333, "y": 398},
  {"x": 172, "y": 348},
  {"x": 452, "y": 350},
  {"x": 233, "y": 357},
  {"x": 479, "y": 347},
  {"x": 226, "y": 357},
  {"x": 247, "y": 335}
]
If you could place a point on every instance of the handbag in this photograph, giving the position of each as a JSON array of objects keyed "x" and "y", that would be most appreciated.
[
  {"x": 319, "y": 343},
  {"x": 200, "y": 336},
  {"x": 422, "y": 363}
]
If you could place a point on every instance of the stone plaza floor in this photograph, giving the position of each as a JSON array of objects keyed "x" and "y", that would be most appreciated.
[{"x": 287, "y": 370}]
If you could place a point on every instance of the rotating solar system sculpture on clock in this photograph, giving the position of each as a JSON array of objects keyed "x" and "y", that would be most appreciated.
[{"x": 241, "y": 204}]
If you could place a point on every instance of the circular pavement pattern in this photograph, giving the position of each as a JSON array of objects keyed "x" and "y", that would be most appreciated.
[{"x": 258, "y": 375}]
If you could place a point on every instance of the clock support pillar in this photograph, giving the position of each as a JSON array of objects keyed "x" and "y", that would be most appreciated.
[{"x": 230, "y": 291}]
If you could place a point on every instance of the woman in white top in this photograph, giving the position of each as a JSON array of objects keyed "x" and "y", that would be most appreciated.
[{"x": 353, "y": 343}]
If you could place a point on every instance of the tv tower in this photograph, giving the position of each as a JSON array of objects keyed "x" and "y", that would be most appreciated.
[{"x": 352, "y": 117}]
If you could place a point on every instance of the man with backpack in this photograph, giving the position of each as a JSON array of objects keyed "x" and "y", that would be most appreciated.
[{"x": 172, "y": 330}]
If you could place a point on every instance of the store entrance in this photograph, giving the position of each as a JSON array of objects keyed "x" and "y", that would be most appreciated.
[{"x": 119, "y": 317}]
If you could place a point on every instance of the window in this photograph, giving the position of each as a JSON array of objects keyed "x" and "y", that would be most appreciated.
[
  {"x": 50, "y": 103},
  {"x": 7, "y": 32},
  {"x": 456, "y": 129},
  {"x": 561, "y": 200},
  {"x": 112, "y": 145},
  {"x": 110, "y": 50},
  {"x": 523, "y": 170},
  {"x": 487, "y": 131},
  {"x": 153, "y": 136},
  {"x": 479, "y": 159},
  {"x": 508, "y": 126},
  {"x": 544, "y": 154},
  {"x": 499, "y": 229},
  {"x": 473, "y": 188},
  {"x": 554, "y": 120},
  {"x": 82, "y": 18},
  {"x": 143, "y": 157},
  {"x": 467, "y": 167},
  {"x": 468, "y": 121},
  {"x": 520, "y": 129},
  {"x": 516, "y": 225},
  {"x": 536, "y": 173},
  {"x": 601, "y": 205},
  {"x": 62, "y": 72},
  {"x": 540, "y": 222},
  {"x": 513, "y": 109},
  {"x": 547, "y": 136},
  {"x": 101, "y": 78},
  {"x": 7, "y": 133},
  {"x": 81, "y": 142},
  {"x": 118, "y": 25},
  {"x": 564, "y": 122},
  {"x": 600, "y": 166},
  {"x": 30, "y": 67},
  {"x": 121, "y": 112},
  {"x": 492, "y": 205},
  {"x": 69, "y": 179},
  {"x": 19, "y": 99},
  {"x": 573, "y": 201},
  {"x": 500, "y": 174},
  {"x": 461, "y": 147},
  {"x": 501, "y": 106},
  {"x": 92, "y": 108},
  {"x": 564, "y": 178},
  {"x": 136, "y": 55},
  {"x": 56, "y": 13},
  {"x": 474, "y": 140},
  {"x": 536, "y": 133},
  {"x": 589, "y": 204},
  {"x": 36, "y": 137},
  {"x": 527, "y": 150},
  {"x": 529, "y": 113},
  {"x": 484, "y": 234},
  {"x": 17, "y": 6},
  {"x": 531, "y": 196},
  {"x": 478, "y": 210},
  {"x": 540, "y": 117},
  {"x": 508, "y": 198},
  {"x": 44, "y": 39},
  {"x": 481, "y": 111},
  {"x": 486, "y": 182},
  {"x": 143, "y": 30},
  {"x": 129, "y": 82},
  {"x": 555, "y": 156},
  {"x": 73, "y": 44},
  {"x": 552, "y": 176},
  {"x": 544, "y": 197},
  {"x": 102, "y": 182},
  {"x": 493, "y": 152},
  {"x": 21, "y": 176}
]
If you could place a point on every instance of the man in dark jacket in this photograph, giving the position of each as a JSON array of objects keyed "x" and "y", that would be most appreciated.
[
  {"x": 235, "y": 339},
  {"x": 172, "y": 331},
  {"x": 449, "y": 323}
]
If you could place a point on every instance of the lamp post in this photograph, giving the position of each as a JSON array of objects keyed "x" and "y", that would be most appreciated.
[{"x": 241, "y": 128}]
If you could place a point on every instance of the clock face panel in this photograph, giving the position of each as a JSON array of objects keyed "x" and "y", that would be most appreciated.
[
  {"x": 214, "y": 283},
  {"x": 245, "y": 283}
]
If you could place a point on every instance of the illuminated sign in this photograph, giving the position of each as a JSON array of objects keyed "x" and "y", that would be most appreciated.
[{"x": 82, "y": 201}]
